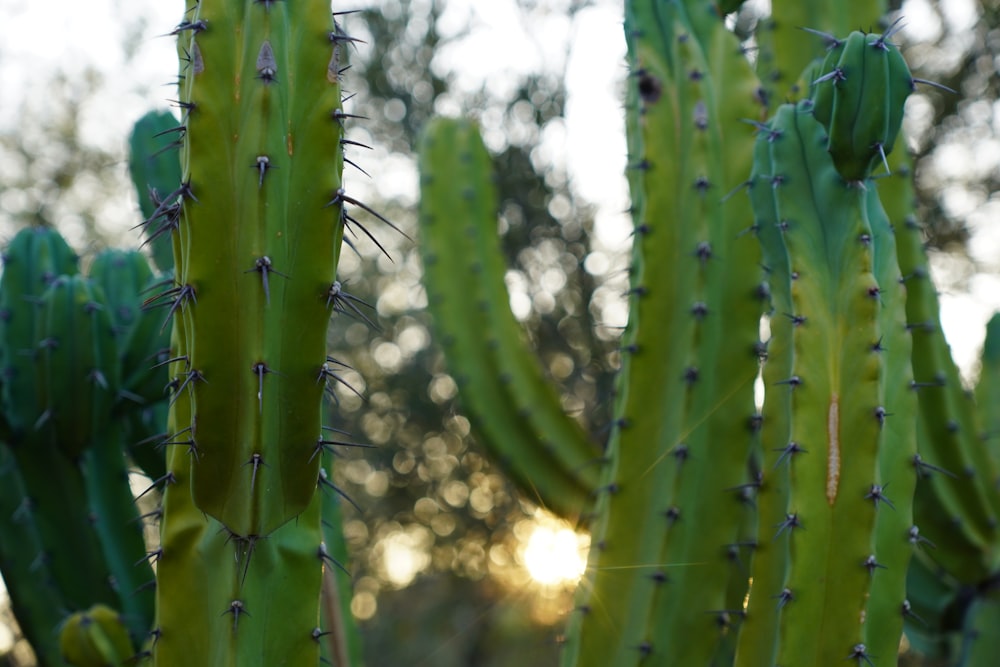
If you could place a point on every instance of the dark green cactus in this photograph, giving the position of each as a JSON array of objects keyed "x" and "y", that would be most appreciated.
[
  {"x": 155, "y": 172},
  {"x": 519, "y": 419}
]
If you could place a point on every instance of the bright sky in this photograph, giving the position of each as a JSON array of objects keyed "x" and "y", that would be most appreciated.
[{"x": 38, "y": 37}]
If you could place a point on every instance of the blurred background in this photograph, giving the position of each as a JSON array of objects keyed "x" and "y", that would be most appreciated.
[{"x": 452, "y": 565}]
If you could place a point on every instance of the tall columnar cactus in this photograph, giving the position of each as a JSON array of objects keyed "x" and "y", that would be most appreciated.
[
  {"x": 257, "y": 223},
  {"x": 672, "y": 544},
  {"x": 517, "y": 414}
]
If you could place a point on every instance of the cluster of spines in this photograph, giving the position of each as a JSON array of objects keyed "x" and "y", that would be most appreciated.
[
  {"x": 678, "y": 488},
  {"x": 517, "y": 413}
]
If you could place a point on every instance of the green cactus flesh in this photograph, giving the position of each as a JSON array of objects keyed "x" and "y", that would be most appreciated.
[
  {"x": 256, "y": 247},
  {"x": 35, "y": 257},
  {"x": 257, "y": 606},
  {"x": 667, "y": 570},
  {"x": 894, "y": 539},
  {"x": 837, "y": 399},
  {"x": 143, "y": 342},
  {"x": 155, "y": 172},
  {"x": 34, "y": 596},
  {"x": 516, "y": 413},
  {"x": 78, "y": 364}
]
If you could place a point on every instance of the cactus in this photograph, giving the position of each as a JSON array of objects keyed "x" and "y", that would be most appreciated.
[
  {"x": 260, "y": 213},
  {"x": 519, "y": 417},
  {"x": 95, "y": 638},
  {"x": 677, "y": 487}
]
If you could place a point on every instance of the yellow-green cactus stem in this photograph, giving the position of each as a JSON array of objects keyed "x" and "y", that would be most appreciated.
[
  {"x": 677, "y": 488},
  {"x": 516, "y": 411}
]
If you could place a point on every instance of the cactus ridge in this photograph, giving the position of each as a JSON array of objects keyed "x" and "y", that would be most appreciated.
[{"x": 519, "y": 416}]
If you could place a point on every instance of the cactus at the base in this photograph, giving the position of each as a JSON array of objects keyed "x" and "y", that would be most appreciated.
[
  {"x": 35, "y": 598},
  {"x": 670, "y": 538},
  {"x": 516, "y": 412},
  {"x": 96, "y": 638}
]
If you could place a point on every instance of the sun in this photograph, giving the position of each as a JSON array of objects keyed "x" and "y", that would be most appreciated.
[{"x": 553, "y": 553}]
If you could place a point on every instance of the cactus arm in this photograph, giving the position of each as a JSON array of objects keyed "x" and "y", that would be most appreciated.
[
  {"x": 835, "y": 395},
  {"x": 32, "y": 260},
  {"x": 116, "y": 520},
  {"x": 757, "y": 643},
  {"x": 517, "y": 414},
  {"x": 245, "y": 287},
  {"x": 955, "y": 501},
  {"x": 785, "y": 47},
  {"x": 143, "y": 341},
  {"x": 646, "y": 559},
  {"x": 610, "y": 628}
]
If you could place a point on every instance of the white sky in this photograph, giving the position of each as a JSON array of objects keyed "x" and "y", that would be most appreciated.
[{"x": 38, "y": 37}]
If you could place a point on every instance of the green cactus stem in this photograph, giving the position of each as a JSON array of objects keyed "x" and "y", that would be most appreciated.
[
  {"x": 787, "y": 39},
  {"x": 517, "y": 414},
  {"x": 262, "y": 211},
  {"x": 858, "y": 96},
  {"x": 988, "y": 389},
  {"x": 837, "y": 396},
  {"x": 955, "y": 502},
  {"x": 669, "y": 541},
  {"x": 34, "y": 596}
]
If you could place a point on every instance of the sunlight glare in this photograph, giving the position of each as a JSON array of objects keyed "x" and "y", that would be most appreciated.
[{"x": 554, "y": 553}]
